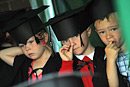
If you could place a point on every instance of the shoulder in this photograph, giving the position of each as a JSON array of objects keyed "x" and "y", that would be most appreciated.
[
  {"x": 21, "y": 60},
  {"x": 98, "y": 48},
  {"x": 99, "y": 54},
  {"x": 56, "y": 57},
  {"x": 100, "y": 51}
]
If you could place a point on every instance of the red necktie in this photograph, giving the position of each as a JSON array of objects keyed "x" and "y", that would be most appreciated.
[{"x": 87, "y": 67}]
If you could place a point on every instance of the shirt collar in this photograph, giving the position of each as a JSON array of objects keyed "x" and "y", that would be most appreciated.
[
  {"x": 80, "y": 57},
  {"x": 124, "y": 54}
]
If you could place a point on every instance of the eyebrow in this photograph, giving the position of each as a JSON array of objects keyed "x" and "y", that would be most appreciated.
[
  {"x": 107, "y": 27},
  {"x": 113, "y": 26}
]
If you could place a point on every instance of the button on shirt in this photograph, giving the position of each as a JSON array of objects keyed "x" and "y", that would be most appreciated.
[{"x": 123, "y": 63}]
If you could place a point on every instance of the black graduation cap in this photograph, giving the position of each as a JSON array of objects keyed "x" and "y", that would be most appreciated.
[
  {"x": 99, "y": 9},
  {"x": 7, "y": 16},
  {"x": 24, "y": 25},
  {"x": 70, "y": 23}
]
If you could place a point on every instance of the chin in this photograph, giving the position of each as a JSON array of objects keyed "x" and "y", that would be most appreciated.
[
  {"x": 33, "y": 58},
  {"x": 77, "y": 53}
]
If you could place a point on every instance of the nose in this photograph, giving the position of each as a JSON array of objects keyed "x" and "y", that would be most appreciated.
[
  {"x": 108, "y": 35},
  {"x": 72, "y": 42},
  {"x": 27, "y": 47}
]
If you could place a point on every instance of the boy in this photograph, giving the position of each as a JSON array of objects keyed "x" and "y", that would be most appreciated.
[
  {"x": 107, "y": 27},
  {"x": 72, "y": 28}
]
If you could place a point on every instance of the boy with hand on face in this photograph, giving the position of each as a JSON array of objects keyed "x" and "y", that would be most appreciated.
[
  {"x": 107, "y": 27},
  {"x": 77, "y": 53},
  {"x": 82, "y": 49}
]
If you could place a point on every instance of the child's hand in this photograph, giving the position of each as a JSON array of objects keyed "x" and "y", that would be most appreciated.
[
  {"x": 111, "y": 51},
  {"x": 66, "y": 52}
]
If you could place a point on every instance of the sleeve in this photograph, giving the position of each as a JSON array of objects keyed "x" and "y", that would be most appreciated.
[
  {"x": 20, "y": 69},
  {"x": 122, "y": 79},
  {"x": 67, "y": 67},
  {"x": 9, "y": 73},
  {"x": 5, "y": 74},
  {"x": 18, "y": 61}
]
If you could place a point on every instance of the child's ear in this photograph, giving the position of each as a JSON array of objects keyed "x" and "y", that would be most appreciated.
[
  {"x": 45, "y": 37},
  {"x": 89, "y": 31}
]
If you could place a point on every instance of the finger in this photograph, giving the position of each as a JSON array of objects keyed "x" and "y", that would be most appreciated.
[
  {"x": 112, "y": 45},
  {"x": 61, "y": 49},
  {"x": 68, "y": 48},
  {"x": 60, "y": 52},
  {"x": 64, "y": 47},
  {"x": 109, "y": 45},
  {"x": 71, "y": 49},
  {"x": 115, "y": 47}
]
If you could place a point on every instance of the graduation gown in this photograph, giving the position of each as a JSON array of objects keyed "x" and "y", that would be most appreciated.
[
  {"x": 99, "y": 78},
  {"x": 20, "y": 68},
  {"x": 5, "y": 72}
]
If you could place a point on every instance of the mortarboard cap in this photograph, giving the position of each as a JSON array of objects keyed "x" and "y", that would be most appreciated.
[
  {"x": 25, "y": 25},
  {"x": 7, "y": 16},
  {"x": 99, "y": 9},
  {"x": 70, "y": 23}
]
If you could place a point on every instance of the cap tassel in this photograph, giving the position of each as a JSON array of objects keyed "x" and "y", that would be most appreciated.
[
  {"x": 53, "y": 53},
  {"x": 82, "y": 44},
  {"x": 37, "y": 40}
]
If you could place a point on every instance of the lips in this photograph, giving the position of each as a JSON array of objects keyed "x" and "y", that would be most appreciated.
[
  {"x": 114, "y": 42},
  {"x": 31, "y": 54}
]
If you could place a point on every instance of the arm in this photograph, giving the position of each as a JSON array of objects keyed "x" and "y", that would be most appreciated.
[
  {"x": 112, "y": 53},
  {"x": 67, "y": 67},
  {"x": 66, "y": 55},
  {"x": 8, "y": 55}
]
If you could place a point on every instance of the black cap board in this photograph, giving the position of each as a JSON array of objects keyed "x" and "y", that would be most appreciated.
[
  {"x": 70, "y": 23},
  {"x": 7, "y": 16},
  {"x": 25, "y": 25},
  {"x": 99, "y": 9}
]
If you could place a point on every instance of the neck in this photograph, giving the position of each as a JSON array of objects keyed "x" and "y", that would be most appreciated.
[
  {"x": 40, "y": 62},
  {"x": 123, "y": 49},
  {"x": 89, "y": 50}
]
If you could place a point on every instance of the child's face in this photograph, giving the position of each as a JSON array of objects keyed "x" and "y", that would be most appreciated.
[
  {"x": 108, "y": 31},
  {"x": 76, "y": 43},
  {"x": 32, "y": 49}
]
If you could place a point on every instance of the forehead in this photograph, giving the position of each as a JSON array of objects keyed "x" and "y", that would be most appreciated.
[
  {"x": 31, "y": 38},
  {"x": 106, "y": 23}
]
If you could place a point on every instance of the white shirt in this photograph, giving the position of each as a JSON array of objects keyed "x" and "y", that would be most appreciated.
[{"x": 80, "y": 57}]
